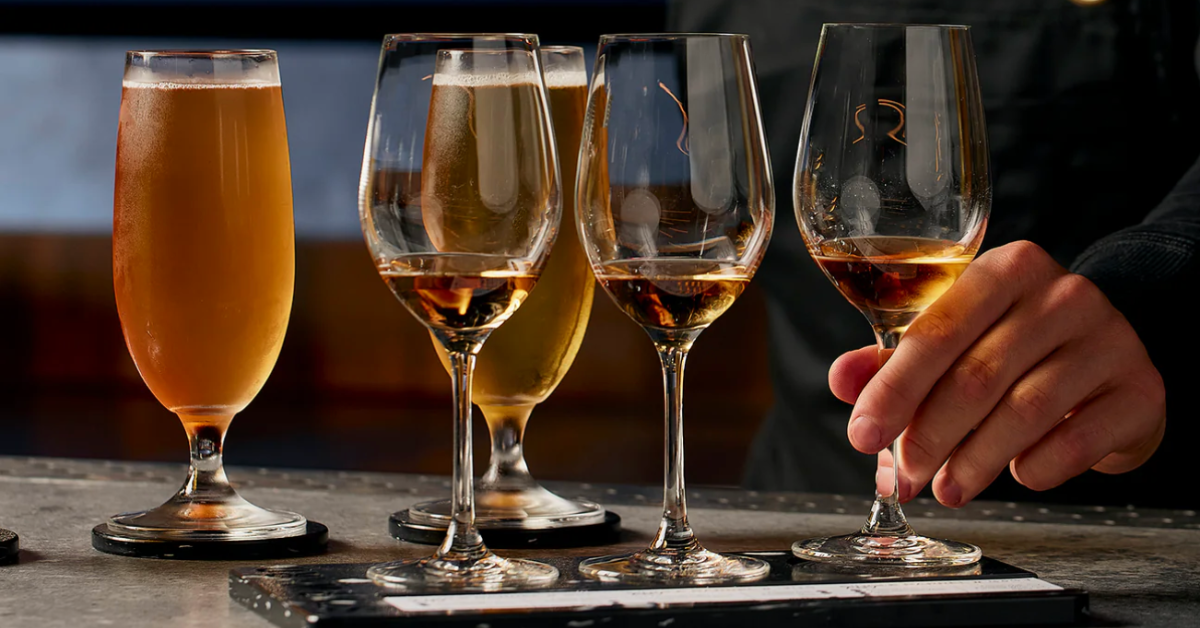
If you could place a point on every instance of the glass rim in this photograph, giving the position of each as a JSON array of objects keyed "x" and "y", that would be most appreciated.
[
  {"x": 416, "y": 37},
  {"x": 472, "y": 51},
  {"x": 947, "y": 27},
  {"x": 670, "y": 36},
  {"x": 221, "y": 53},
  {"x": 559, "y": 49}
]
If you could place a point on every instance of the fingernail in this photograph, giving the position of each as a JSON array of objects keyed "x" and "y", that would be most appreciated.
[
  {"x": 950, "y": 494},
  {"x": 865, "y": 435}
]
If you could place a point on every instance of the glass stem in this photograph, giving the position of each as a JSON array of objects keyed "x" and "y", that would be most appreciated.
[
  {"x": 506, "y": 467},
  {"x": 887, "y": 518},
  {"x": 206, "y": 480},
  {"x": 674, "y": 533},
  {"x": 463, "y": 541}
]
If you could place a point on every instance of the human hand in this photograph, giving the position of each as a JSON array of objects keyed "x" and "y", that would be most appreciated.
[{"x": 1020, "y": 364}]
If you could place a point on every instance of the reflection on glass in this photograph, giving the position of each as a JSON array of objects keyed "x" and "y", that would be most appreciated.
[
  {"x": 465, "y": 116},
  {"x": 203, "y": 264},
  {"x": 675, "y": 208},
  {"x": 525, "y": 359},
  {"x": 892, "y": 196},
  {"x": 813, "y": 571}
]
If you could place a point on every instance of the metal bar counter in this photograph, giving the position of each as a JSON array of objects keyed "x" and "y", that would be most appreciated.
[{"x": 1141, "y": 567}]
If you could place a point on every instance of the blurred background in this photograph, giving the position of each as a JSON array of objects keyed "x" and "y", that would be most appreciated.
[{"x": 358, "y": 385}]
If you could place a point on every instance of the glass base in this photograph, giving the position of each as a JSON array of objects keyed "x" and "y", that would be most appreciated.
[
  {"x": 486, "y": 573},
  {"x": 529, "y": 508},
  {"x": 911, "y": 550},
  {"x": 231, "y": 519},
  {"x": 698, "y": 566}
]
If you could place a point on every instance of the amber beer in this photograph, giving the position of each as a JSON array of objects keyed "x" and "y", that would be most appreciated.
[
  {"x": 203, "y": 242},
  {"x": 483, "y": 132},
  {"x": 523, "y": 361}
]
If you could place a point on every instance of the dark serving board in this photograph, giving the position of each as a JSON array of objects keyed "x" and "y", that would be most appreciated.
[{"x": 795, "y": 593}]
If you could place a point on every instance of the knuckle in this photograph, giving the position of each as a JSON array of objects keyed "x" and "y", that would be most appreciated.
[
  {"x": 932, "y": 330},
  {"x": 1074, "y": 452},
  {"x": 1023, "y": 262},
  {"x": 1121, "y": 354},
  {"x": 1026, "y": 251},
  {"x": 1021, "y": 255},
  {"x": 1149, "y": 390},
  {"x": 975, "y": 378},
  {"x": 1030, "y": 406},
  {"x": 919, "y": 450},
  {"x": 1118, "y": 337},
  {"x": 1076, "y": 293},
  {"x": 900, "y": 394},
  {"x": 969, "y": 468}
]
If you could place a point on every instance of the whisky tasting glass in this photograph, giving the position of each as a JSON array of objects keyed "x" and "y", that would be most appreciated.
[
  {"x": 525, "y": 359},
  {"x": 203, "y": 265},
  {"x": 892, "y": 195},
  {"x": 459, "y": 203},
  {"x": 675, "y": 209}
]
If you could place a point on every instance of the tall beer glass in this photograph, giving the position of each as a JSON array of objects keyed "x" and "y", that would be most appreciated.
[
  {"x": 203, "y": 264},
  {"x": 892, "y": 197},
  {"x": 675, "y": 207},
  {"x": 459, "y": 203},
  {"x": 525, "y": 359}
]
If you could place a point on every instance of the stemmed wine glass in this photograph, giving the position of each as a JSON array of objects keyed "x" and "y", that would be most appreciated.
[
  {"x": 892, "y": 196},
  {"x": 675, "y": 209},
  {"x": 203, "y": 266},
  {"x": 459, "y": 202},
  {"x": 526, "y": 359}
]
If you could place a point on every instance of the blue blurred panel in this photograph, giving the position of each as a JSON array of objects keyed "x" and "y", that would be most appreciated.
[
  {"x": 58, "y": 124},
  {"x": 59, "y": 100}
]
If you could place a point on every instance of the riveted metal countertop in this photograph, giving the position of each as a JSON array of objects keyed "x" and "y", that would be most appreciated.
[{"x": 1141, "y": 566}]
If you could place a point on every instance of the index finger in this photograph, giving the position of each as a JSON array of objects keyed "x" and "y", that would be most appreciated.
[{"x": 988, "y": 288}]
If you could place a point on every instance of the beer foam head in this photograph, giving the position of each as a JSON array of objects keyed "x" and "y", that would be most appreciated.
[
  {"x": 492, "y": 68},
  {"x": 554, "y": 78},
  {"x": 198, "y": 70},
  {"x": 489, "y": 79},
  {"x": 484, "y": 68},
  {"x": 566, "y": 77},
  {"x": 563, "y": 66}
]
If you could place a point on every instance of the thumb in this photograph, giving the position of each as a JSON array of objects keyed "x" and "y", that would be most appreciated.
[{"x": 851, "y": 372}]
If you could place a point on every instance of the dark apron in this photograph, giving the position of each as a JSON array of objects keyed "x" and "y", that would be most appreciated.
[{"x": 1091, "y": 112}]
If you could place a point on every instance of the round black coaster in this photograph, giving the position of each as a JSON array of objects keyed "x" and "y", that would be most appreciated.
[
  {"x": 313, "y": 541},
  {"x": 10, "y": 546},
  {"x": 604, "y": 533}
]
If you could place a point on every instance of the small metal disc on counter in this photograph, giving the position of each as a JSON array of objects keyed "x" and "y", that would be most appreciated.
[
  {"x": 312, "y": 542},
  {"x": 607, "y": 532},
  {"x": 10, "y": 546}
]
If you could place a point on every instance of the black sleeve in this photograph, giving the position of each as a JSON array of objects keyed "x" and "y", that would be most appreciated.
[
  {"x": 1159, "y": 253},
  {"x": 1150, "y": 270}
]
